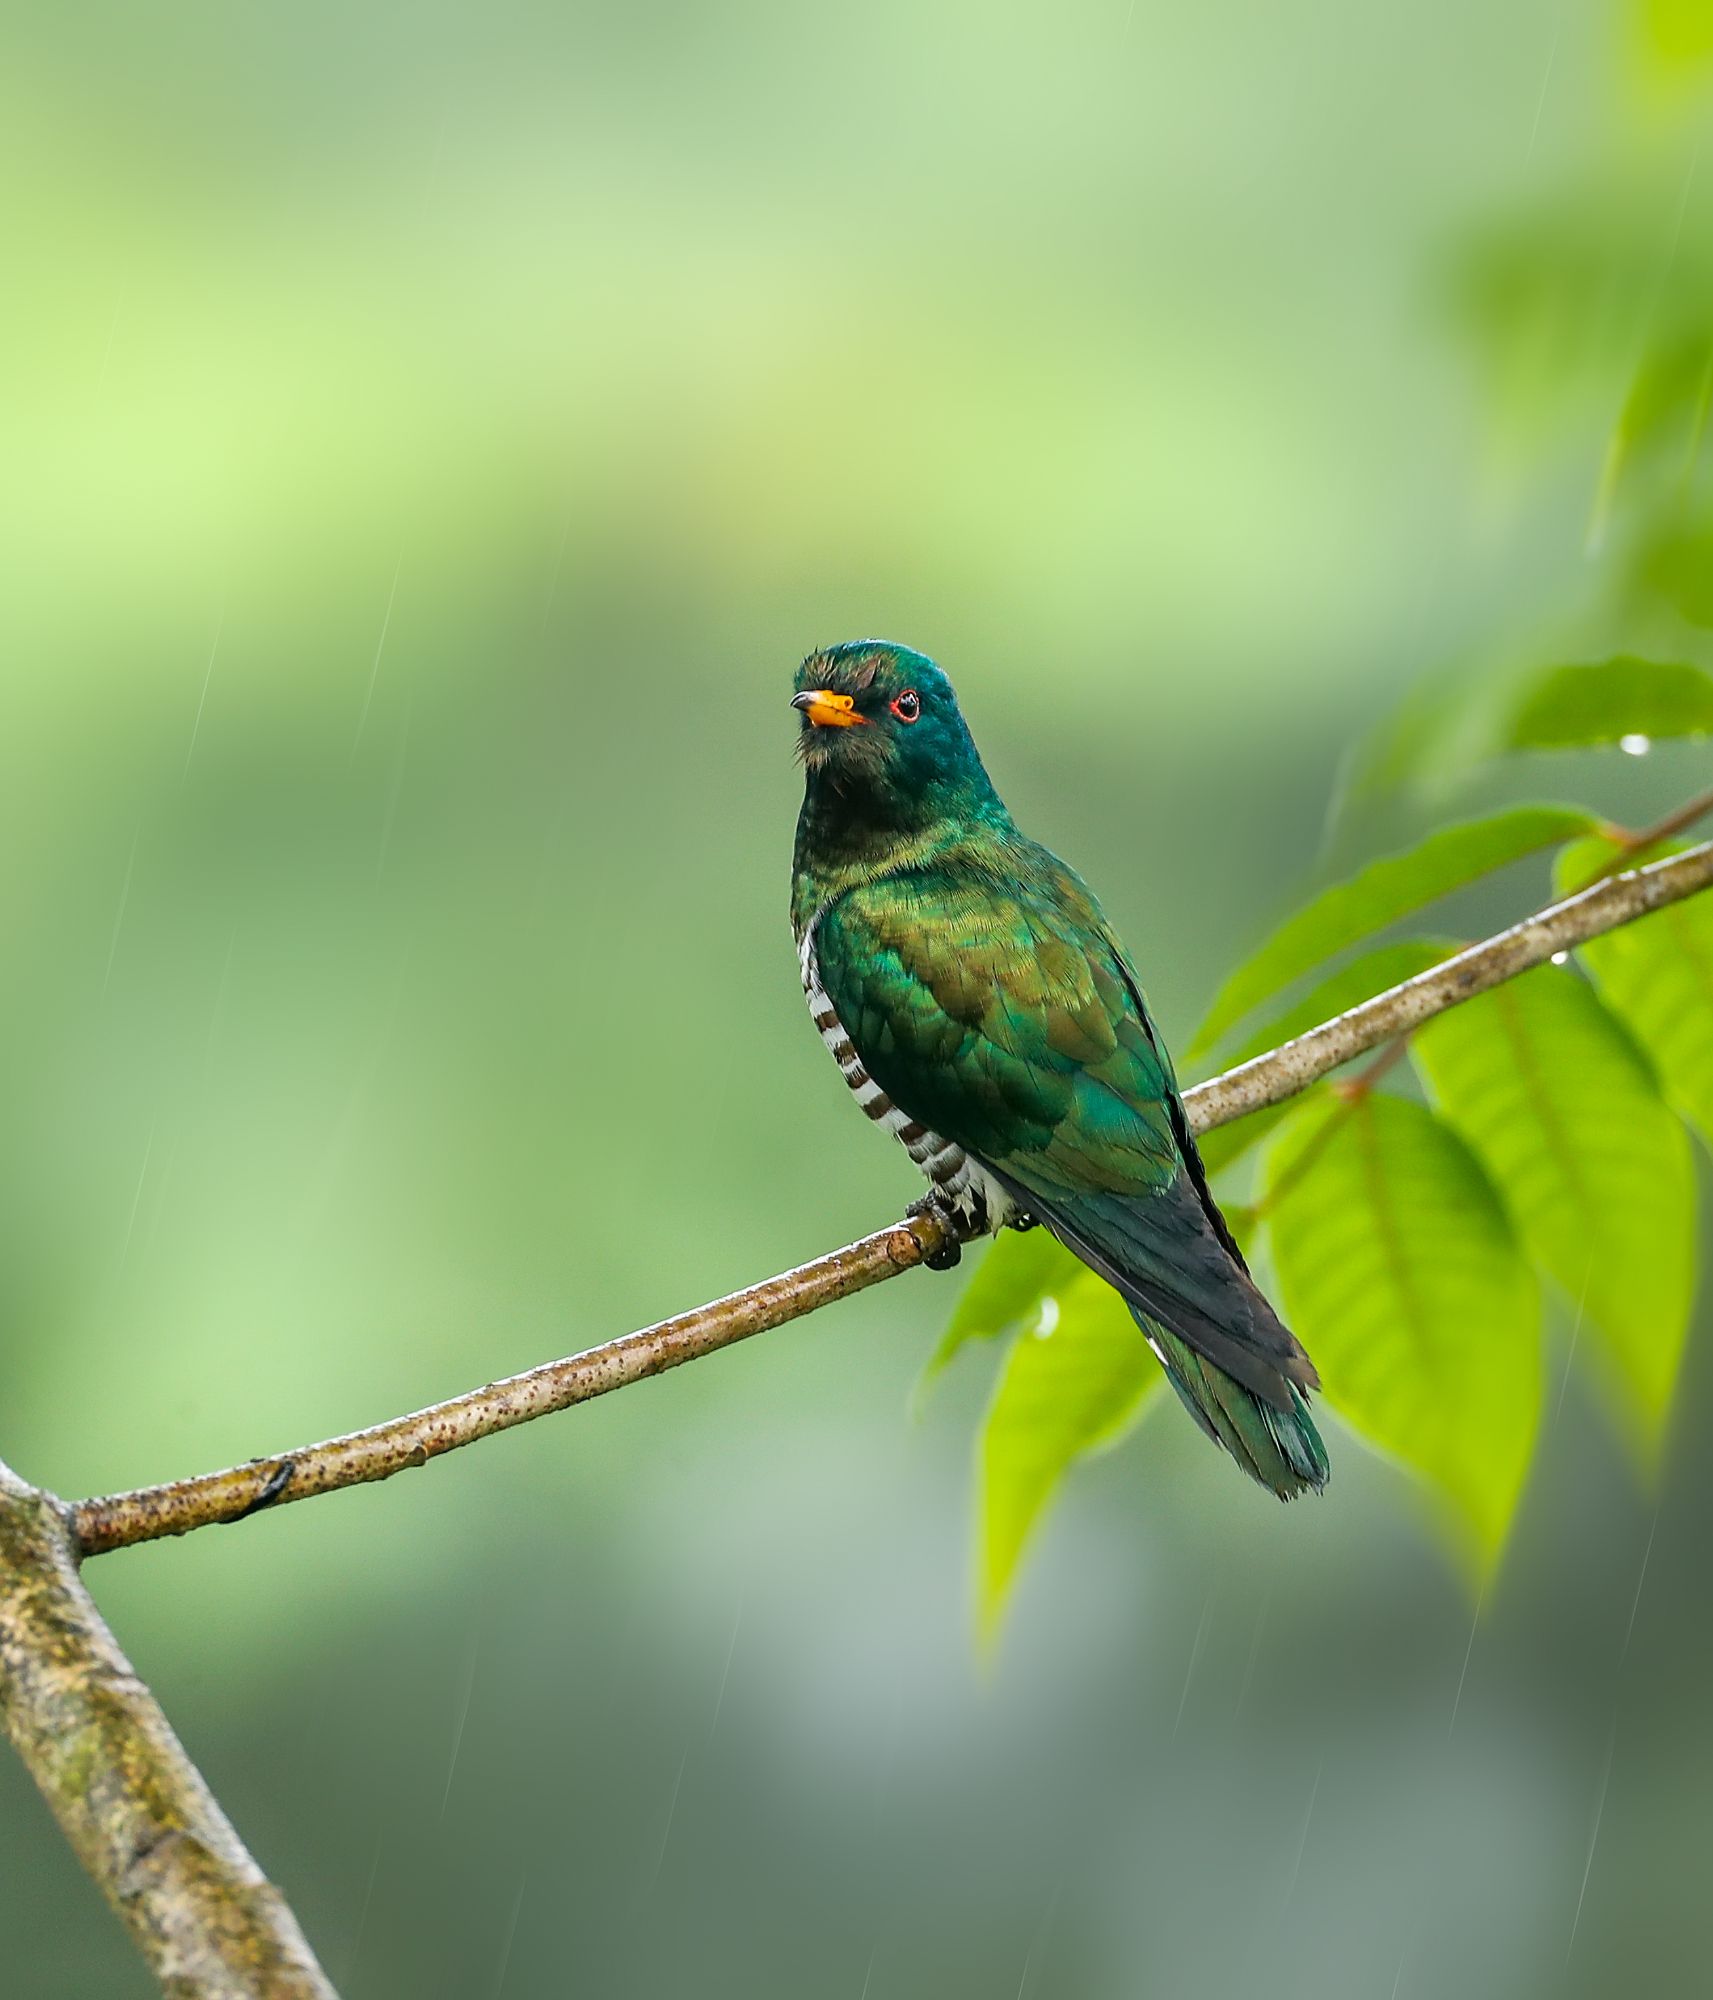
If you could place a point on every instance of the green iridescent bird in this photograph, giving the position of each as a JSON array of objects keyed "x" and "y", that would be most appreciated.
[{"x": 981, "y": 1009}]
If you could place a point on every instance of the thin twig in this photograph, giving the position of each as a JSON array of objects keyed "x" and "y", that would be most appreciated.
[
  {"x": 118, "y": 1520},
  {"x": 1351, "y": 1094},
  {"x": 1685, "y": 815},
  {"x": 1637, "y": 846}
]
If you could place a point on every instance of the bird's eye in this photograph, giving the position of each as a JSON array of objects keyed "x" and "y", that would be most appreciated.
[{"x": 907, "y": 706}]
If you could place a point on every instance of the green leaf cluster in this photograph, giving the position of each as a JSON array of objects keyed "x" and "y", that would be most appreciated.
[
  {"x": 1529, "y": 1163},
  {"x": 1536, "y": 1146}
]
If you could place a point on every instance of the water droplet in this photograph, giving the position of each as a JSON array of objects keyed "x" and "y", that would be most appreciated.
[
  {"x": 1047, "y": 1324},
  {"x": 1561, "y": 958},
  {"x": 1635, "y": 745}
]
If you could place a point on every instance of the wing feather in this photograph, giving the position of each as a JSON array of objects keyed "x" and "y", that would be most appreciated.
[{"x": 999, "y": 1011}]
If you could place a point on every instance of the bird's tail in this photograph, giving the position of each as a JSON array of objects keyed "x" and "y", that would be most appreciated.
[{"x": 1280, "y": 1448}]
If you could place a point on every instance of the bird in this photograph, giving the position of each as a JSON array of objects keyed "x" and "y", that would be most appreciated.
[{"x": 984, "y": 1013}]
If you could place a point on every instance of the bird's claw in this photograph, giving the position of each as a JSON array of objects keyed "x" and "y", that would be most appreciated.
[{"x": 933, "y": 1206}]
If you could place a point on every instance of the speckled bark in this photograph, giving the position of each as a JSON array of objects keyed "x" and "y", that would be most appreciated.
[{"x": 131, "y": 1803}]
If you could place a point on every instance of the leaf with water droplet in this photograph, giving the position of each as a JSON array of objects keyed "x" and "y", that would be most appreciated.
[
  {"x": 1628, "y": 701},
  {"x": 1016, "y": 1270},
  {"x": 1073, "y": 1389}
]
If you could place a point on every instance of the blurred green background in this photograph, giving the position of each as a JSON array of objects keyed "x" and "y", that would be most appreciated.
[{"x": 430, "y": 436}]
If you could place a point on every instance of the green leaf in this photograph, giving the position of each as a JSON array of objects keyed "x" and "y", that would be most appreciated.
[
  {"x": 1429, "y": 735},
  {"x": 1665, "y": 411},
  {"x": 1677, "y": 563},
  {"x": 1680, "y": 31},
  {"x": 1400, "y": 1271},
  {"x": 1072, "y": 1385},
  {"x": 1382, "y": 893},
  {"x": 1245, "y": 1221},
  {"x": 1561, "y": 1109},
  {"x": 1015, "y": 1272},
  {"x": 1656, "y": 975},
  {"x": 1225, "y": 1145},
  {"x": 1387, "y": 965},
  {"x": 1578, "y": 707},
  {"x": 1667, "y": 392}
]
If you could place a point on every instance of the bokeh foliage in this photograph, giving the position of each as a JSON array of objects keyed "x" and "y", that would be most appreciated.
[
  {"x": 1411, "y": 1239},
  {"x": 1196, "y": 383},
  {"x": 1548, "y": 1140}
]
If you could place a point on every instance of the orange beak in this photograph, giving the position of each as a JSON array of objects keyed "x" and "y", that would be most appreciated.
[{"x": 826, "y": 709}]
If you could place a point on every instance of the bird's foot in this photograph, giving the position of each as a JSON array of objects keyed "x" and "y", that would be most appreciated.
[
  {"x": 1022, "y": 1221},
  {"x": 935, "y": 1207}
]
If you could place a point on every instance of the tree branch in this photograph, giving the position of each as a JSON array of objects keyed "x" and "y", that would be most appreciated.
[
  {"x": 120, "y": 1519},
  {"x": 133, "y": 1806},
  {"x": 413, "y": 1440}
]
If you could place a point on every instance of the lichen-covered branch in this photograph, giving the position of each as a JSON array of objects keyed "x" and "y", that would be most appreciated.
[
  {"x": 129, "y": 1800},
  {"x": 120, "y": 1519}
]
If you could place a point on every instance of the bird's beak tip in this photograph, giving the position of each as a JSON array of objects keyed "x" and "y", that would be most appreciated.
[{"x": 827, "y": 710}]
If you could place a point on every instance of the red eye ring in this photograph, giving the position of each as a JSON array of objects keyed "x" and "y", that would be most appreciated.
[{"x": 907, "y": 706}]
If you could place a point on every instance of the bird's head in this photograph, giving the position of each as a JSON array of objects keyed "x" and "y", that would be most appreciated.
[{"x": 882, "y": 732}]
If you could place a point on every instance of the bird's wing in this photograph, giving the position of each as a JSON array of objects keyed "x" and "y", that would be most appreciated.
[{"x": 999, "y": 1011}]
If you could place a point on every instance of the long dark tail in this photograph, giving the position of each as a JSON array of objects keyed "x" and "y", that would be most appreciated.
[{"x": 1280, "y": 1448}]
